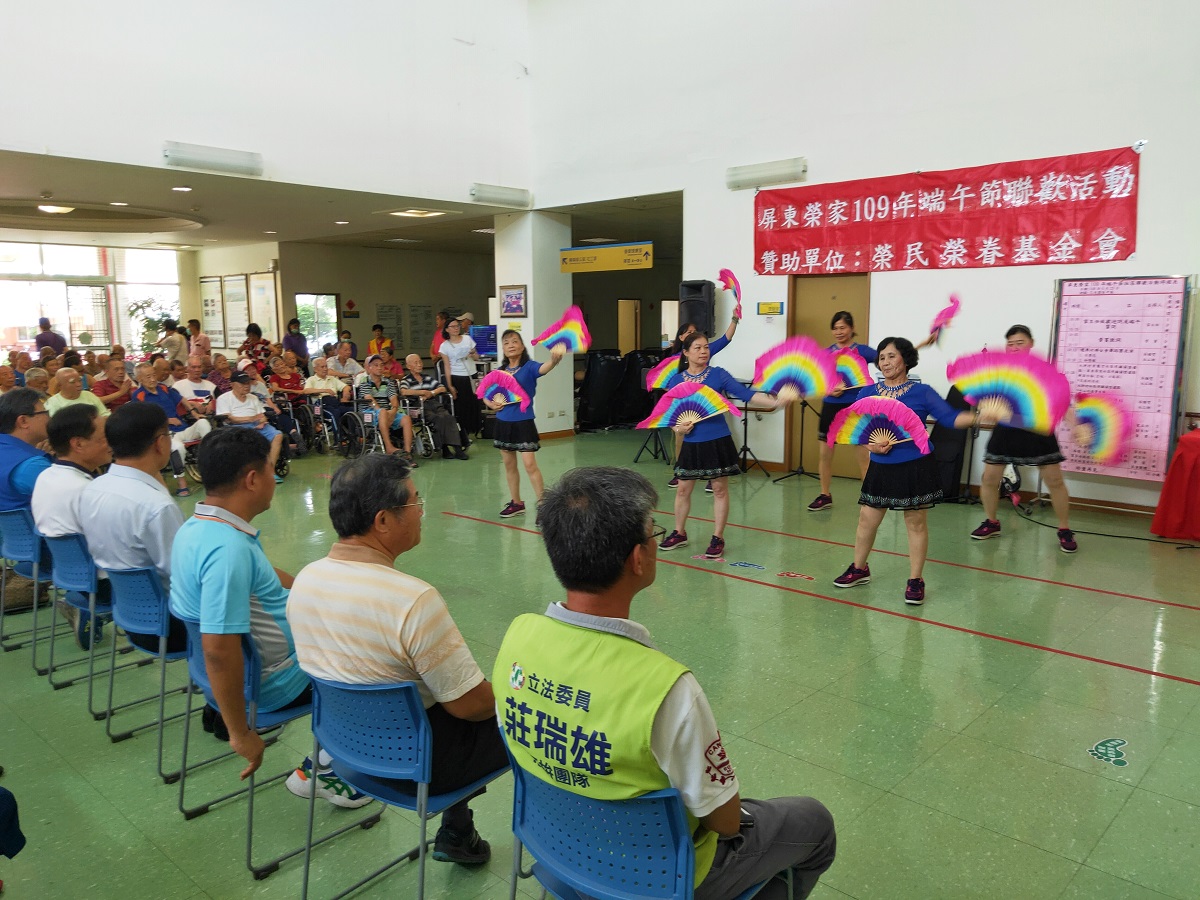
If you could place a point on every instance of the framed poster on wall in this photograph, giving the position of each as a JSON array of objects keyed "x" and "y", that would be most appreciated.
[
  {"x": 263, "y": 308},
  {"x": 212, "y": 311},
  {"x": 512, "y": 301},
  {"x": 237, "y": 310}
]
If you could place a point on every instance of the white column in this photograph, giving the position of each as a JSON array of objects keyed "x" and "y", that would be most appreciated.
[{"x": 526, "y": 252}]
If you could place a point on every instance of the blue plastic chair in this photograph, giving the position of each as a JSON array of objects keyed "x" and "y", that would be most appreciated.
[
  {"x": 139, "y": 605},
  {"x": 378, "y": 734},
  {"x": 605, "y": 849},
  {"x": 74, "y": 572},
  {"x": 251, "y": 678},
  {"x": 20, "y": 542}
]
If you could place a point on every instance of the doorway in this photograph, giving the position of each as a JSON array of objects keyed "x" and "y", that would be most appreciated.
[
  {"x": 629, "y": 325},
  {"x": 814, "y": 300}
]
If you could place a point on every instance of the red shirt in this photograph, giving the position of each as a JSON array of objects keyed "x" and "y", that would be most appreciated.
[
  {"x": 293, "y": 382},
  {"x": 103, "y": 387}
]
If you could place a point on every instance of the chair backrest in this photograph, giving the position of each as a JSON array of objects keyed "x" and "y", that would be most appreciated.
[
  {"x": 607, "y": 849},
  {"x": 74, "y": 569},
  {"x": 198, "y": 672},
  {"x": 138, "y": 600},
  {"x": 378, "y": 729},
  {"x": 19, "y": 540}
]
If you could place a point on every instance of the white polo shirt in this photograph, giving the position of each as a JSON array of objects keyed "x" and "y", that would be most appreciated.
[
  {"x": 56, "y": 494},
  {"x": 199, "y": 391},
  {"x": 129, "y": 520},
  {"x": 229, "y": 405}
]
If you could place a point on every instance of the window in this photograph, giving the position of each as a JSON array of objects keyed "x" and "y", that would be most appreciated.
[{"x": 318, "y": 315}]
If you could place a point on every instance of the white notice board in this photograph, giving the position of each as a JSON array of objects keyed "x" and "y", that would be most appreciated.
[
  {"x": 237, "y": 310},
  {"x": 1124, "y": 335},
  {"x": 212, "y": 312},
  {"x": 263, "y": 310}
]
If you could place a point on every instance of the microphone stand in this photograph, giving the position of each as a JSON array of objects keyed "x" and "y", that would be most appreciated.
[{"x": 799, "y": 470}]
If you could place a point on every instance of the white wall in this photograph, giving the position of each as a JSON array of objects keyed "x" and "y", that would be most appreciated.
[
  {"x": 370, "y": 277},
  {"x": 416, "y": 99},
  {"x": 868, "y": 90}
]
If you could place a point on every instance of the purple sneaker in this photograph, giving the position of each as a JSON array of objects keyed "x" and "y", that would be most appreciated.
[
  {"x": 513, "y": 509},
  {"x": 673, "y": 540},
  {"x": 853, "y": 576},
  {"x": 914, "y": 594},
  {"x": 673, "y": 483},
  {"x": 708, "y": 487},
  {"x": 716, "y": 548},
  {"x": 823, "y": 501},
  {"x": 989, "y": 528},
  {"x": 1066, "y": 540}
]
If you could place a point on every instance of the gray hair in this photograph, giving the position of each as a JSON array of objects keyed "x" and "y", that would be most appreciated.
[
  {"x": 36, "y": 372},
  {"x": 363, "y": 488},
  {"x": 591, "y": 521}
]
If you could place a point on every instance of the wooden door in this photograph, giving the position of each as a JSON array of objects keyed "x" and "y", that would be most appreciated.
[
  {"x": 814, "y": 301},
  {"x": 629, "y": 325}
]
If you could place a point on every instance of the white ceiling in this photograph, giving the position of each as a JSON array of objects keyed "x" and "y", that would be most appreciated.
[{"x": 223, "y": 210}]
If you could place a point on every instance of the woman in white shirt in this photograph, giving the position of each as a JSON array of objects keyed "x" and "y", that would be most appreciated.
[{"x": 455, "y": 350}]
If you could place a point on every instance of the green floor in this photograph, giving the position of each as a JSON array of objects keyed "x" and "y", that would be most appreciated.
[{"x": 956, "y": 763}]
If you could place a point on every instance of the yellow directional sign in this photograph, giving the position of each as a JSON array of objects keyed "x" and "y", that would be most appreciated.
[{"x": 607, "y": 257}]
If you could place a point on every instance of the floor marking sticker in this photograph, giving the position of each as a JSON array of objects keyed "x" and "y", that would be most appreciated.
[
  {"x": 795, "y": 575},
  {"x": 746, "y": 565},
  {"x": 1109, "y": 751},
  {"x": 709, "y": 559}
]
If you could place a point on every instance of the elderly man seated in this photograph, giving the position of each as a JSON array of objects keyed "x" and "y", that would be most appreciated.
[
  {"x": 396, "y": 628},
  {"x": 344, "y": 365},
  {"x": 243, "y": 409},
  {"x": 638, "y": 720},
  {"x": 115, "y": 388},
  {"x": 333, "y": 393},
  {"x": 380, "y": 393},
  {"x": 76, "y": 435},
  {"x": 199, "y": 393},
  {"x": 417, "y": 385},
  {"x": 38, "y": 379},
  {"x": 70, "y": 391},
  {"x": 169, "y": 400},
  {"x": 8, "y": 379}
]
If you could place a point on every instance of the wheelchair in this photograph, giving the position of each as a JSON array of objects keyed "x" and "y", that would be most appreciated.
[
  {"x": 360, "y": 431},
  {"x": 318, "y": 428}
]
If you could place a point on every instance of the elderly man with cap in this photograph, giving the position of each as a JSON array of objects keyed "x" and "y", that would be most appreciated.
[
  {"x": 70, "y": 390},
  {"x": 242, "y": 409}
]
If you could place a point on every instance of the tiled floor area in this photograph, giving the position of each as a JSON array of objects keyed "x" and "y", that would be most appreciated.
[{"x": 951, "y": 742}]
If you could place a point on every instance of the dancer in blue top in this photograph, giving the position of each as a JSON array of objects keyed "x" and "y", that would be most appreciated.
[
  {"x": 842, "y": 325},
  {"x": 515, "y": 431},
  {"x": 708, "y": 448},
  {"x": 899, "y": 475},
  {"x": 713, "y": 349}
]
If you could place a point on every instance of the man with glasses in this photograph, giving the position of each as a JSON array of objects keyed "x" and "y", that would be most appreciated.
[
  {"x": 23, "y": 420},
  {"x": 395, "y": 627},
  {"x": 627, "y": 719}
]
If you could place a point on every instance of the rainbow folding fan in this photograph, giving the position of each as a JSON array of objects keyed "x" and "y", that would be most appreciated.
[
  {"x": 798, "y": 367},
  {"x": 570, "y": 332},
  {"x": 878, "y": 419},
  {"x": 499, "y": 386},
  {"x": 1110, "y": 424},
  {"x": 657, "y": 378},
  {"x": 1018, "y": 389},
  {"x": 729, "y": 282},
  {"x": 944, "y": 318},
  {"x": 851, "y": 368},
  {"x": 687, "y": 404}
]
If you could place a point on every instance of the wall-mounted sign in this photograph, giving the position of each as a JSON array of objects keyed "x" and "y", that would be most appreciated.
[
  {"x": 607, "y": 257},
  {"x": 770, "y": 309}
]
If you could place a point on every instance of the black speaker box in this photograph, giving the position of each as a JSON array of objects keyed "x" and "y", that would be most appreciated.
[{"x": 697, "y": 305}]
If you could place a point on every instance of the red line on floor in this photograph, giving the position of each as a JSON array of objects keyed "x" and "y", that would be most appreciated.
[
  {"x": 887, "y": 612},
  {"x": 957, "y": 565}
]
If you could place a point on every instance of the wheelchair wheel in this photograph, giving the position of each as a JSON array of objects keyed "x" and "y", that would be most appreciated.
[
  {"x": 305, "y": 424},
  {"x": 282, "y": 466},
  {"x": 353, "y": 433},
  {"x": 191, "y": 466}
]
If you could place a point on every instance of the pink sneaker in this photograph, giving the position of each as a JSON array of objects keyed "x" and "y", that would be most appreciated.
[
  {"x": 673, "y": 540},
  {"x": 988, "y": 528},
  {"x": 853, "y": 576},
  {"x": 513, "y": 509}
]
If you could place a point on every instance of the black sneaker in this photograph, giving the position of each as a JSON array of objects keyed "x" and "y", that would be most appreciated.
[
  {"x": 914, "y": 593},
  {"x": 447, "y": 453},
  {"x": 823, "y": 501},
  {"x": 708, "y": 489},
  {"x": 1066, "y": 540},
  {"x": 469, "y": 850}
]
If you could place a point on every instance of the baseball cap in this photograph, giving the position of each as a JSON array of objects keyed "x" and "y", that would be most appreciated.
[
  {"x": 244, "y": 364},
  {"x": 370, "y": 359},
  {"x": 468, "y": 316},
  {"x": 240, "y": 378}
]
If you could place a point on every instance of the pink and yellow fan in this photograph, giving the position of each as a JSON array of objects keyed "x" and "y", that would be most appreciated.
[
  {"x": 851, "y": 368},
  {"x": 1110, "y": 426},
  {"x": 569, "y": 332},
  {"x": 729, "y": 282},
  {"x": 943, "y": 319},
  {"x": 657, "y": 378},
  {"x": 500, "y": 387},
  {"x": 1017, "y": 389},
  {"x": 878, "y": 419},
  {"x": 687, "y": 404},
  {"x": 798, "y": 367}
]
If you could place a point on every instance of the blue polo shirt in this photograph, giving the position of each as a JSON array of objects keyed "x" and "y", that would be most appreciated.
[
  {"x": 168, "y": 398},
  {"x": 221, "y": 577}
]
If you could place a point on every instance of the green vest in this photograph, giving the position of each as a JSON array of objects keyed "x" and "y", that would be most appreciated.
[{"x": 567, "y": 722}]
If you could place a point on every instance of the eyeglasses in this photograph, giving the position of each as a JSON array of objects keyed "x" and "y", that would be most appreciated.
[
  {"x": 657, "y": 534},
  {"x": 40, "y": 412},
  {"x": 420, "y": 501}
]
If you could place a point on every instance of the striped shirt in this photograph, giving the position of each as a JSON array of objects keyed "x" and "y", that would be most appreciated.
[{"x": 357, "y": 620}]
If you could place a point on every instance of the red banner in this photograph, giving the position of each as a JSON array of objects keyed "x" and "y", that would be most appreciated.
[{"x": 1065, "y": 209}]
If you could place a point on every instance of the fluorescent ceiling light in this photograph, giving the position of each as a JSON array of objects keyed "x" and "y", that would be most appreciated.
[
  {"x": 341, "y": 222},
  {"x": 118, "y": 203},
  {"x": 418, "y": 213},
  {"x": 483, "y": 230},
  {"x": 598, "y": 241},
  {"x": 214, "y": 159},
  {"x": 183, "y": 188},
  {"x": 780, "y": 171},
  {"x": 403, "y": 240},
  {"x": 270, "y": 232},
  {"x": 498, "y": 195},
  {"x": 57, "y": 210}
]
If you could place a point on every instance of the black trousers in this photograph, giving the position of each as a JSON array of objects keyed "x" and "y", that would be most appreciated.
[{"x": 466, "y": 405}]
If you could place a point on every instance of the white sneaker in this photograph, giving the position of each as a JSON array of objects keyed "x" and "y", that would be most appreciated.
[{"x": 328, "y": 786}]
